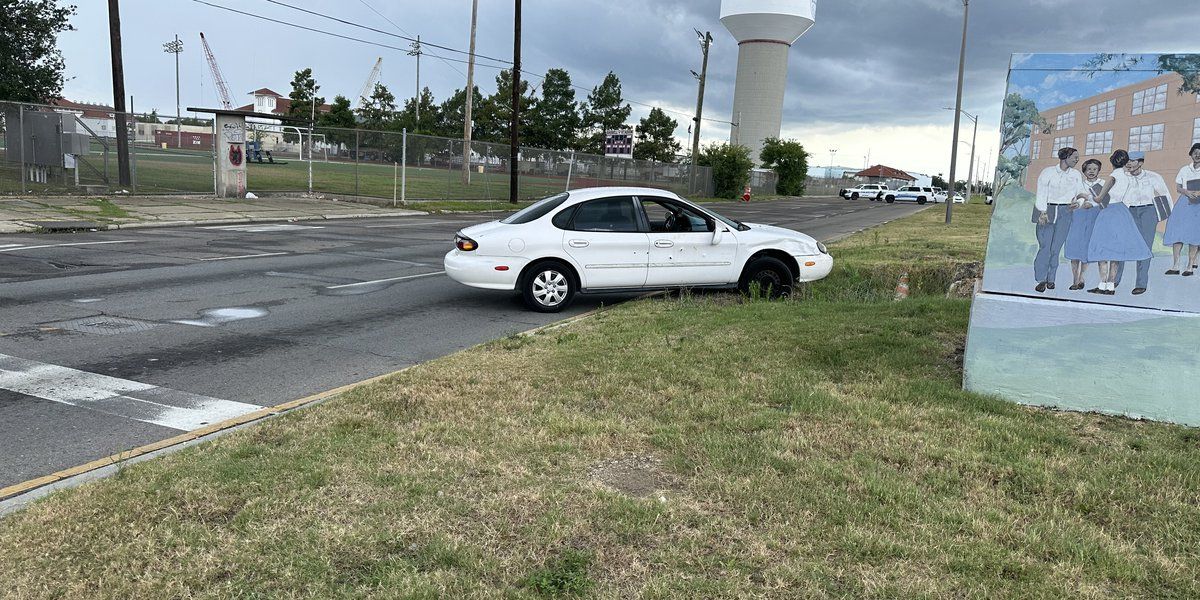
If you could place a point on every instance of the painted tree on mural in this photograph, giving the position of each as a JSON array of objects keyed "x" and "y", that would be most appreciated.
[
  {"x": 1186, "y": 65},
  {"x": 1021, "y": 119}
]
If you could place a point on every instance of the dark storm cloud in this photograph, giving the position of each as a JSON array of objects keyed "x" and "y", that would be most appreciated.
[{"x": 865, "y": 62}]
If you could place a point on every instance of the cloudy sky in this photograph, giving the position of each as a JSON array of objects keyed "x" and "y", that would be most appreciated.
[{"x": 869, "y": 79}]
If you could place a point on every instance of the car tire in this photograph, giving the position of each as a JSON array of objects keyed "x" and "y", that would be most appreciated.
[
  {"x": 854, "y": 196},
  {"x": 921, "y": 200},
  {"x": 548, "y": 287},
  {"x": 890, "y": 199},
  {"x": 774, "y": 278}
]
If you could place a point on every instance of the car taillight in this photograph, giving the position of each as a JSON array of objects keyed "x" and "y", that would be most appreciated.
[{"x": 465, "y": 244}]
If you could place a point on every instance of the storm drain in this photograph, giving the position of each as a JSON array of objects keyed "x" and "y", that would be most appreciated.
[{"x": 105, "y": 325}]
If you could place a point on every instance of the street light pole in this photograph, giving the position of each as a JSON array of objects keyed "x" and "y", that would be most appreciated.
[
  {"x": 962, "y": 56},
  {"x": 176, "y": 47},
  {"x": 829, "y": 174},
  {"x": 312, "y": 119}
]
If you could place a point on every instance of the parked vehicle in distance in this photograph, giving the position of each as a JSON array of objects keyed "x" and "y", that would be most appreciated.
[
  {"x": 874, "y": 191},
  {"x": 940, "y": 196},
  {"x": 910, "y": 193},
  {"x": 619, "y": 239}
]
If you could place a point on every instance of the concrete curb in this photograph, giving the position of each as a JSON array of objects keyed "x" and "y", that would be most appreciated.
[{"x": 19, "y": 228}]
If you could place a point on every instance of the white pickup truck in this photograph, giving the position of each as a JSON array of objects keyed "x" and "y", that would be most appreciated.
[{"x": 874, "y": 191}]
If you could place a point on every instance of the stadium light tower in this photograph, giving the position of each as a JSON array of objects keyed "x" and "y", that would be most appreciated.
[{"x": 765, "y": 30}]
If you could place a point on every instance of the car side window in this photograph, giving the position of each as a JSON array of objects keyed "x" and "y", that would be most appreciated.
[
  {"x": 672, "y": 217},
  {"x": 607, "y": 214},
  {"x": 563, "y": 219}
]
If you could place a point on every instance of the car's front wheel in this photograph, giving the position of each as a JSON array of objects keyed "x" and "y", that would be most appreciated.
[
  {"x": 854, "y": 196},
  {"x": 548, "y": 287},
  {"x": 769, "y": 276},
  {"x": 890, "y": 199}
]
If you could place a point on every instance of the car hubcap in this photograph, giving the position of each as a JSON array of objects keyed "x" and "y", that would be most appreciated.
[{"x": 550, "y": 288}]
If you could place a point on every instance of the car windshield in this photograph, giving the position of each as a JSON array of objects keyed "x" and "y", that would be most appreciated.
[
  {"x": 734, "y": 223},
  {"x": 536, "y": 210}
]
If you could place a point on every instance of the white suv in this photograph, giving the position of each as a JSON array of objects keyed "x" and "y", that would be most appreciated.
[
  {"x": 628, "y": 239},
  {"x": 873, "y": 191}
]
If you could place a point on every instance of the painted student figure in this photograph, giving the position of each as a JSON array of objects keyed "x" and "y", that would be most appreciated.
[
  {"x": 1057, "y": 188},
  {"x": 1184, "y": 225},
  {"x": 1115, "y": 237},
  {"x": 1083, "y": 221},
  {"x": 1146, "y": 195}
]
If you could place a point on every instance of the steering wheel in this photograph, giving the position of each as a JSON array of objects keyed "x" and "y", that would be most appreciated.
[{"x": 671, "y": 221}]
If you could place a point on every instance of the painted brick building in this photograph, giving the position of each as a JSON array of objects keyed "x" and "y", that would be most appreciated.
[{"x": 1151, "y": 116}]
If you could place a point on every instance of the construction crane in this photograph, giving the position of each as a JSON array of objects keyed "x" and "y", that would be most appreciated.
[
  {"x": 218, "y": 79},
  {"x": 366, "y": 88}
]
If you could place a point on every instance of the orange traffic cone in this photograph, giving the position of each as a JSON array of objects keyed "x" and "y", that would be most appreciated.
[{"x": 902, "y": 287}]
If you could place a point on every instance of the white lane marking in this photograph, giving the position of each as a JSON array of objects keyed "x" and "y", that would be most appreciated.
[
  {"x": 335, "y": 287},
  {"x": 245, "y": 256},
  {"x": 411, "y": 224},
  {"x": 120, "y": 397},
  {"x": 87, "y": 300},
  {"x": 10, "y": 245},
  {"x": 14, "y": 249},
  {"x": 267, "y": 228}
]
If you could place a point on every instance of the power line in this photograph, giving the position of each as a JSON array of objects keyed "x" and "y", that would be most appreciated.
[
  {"x": 361, "y": 26},
  {"x": 330, "y": 33},
  {"x": 405, "y": 50},
  {"x": 416, "y": 49}
]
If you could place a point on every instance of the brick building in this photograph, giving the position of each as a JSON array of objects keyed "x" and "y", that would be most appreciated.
[{"x": 1151, "y": 116}]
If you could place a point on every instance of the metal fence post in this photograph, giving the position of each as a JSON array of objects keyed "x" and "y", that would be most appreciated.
[
  {"x": 403, "y": 164},
  {"x": 21, "y": 140},
  {"x": 357, "y": 151},
  {"x": 570, "y": 167}
]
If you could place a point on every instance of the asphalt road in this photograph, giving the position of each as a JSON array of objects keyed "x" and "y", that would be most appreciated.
[{"x": 112, "y": 340}]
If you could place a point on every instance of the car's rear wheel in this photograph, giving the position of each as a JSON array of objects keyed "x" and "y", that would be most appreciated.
[
  {"x": 768, "y": 276},
  {"x": 921, "y": 200},
  {"x": 548, "y": 287}
]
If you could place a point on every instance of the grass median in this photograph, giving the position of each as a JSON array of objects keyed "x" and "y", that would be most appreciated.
[{"x": 693, "y": 446}]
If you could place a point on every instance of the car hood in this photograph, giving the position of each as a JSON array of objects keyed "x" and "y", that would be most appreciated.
[
  {"x": 794, "y": 241},
  {"x": 780, "y": 231}
]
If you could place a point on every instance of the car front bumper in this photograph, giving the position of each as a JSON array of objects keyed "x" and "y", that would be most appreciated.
[
  {"x": 814, "y": 267},
  {"x": 471, "y": 269}
]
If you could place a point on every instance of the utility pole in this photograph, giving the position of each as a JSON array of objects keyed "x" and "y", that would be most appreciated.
[
  {"x": 312, "y": 120},
  {"x": 416, "y": 51},
  {"x": 971, "y": 170},
  {"x": 705, "y": 42},
  {"x": 516, "y": 105},
  {"x": 829, "y": 175},
  {"x": 118, "y": 75},
  {"x": 176, "y": 47},
  {"x": 962, "y": 57},
  {"x": 466, "y": 169}
]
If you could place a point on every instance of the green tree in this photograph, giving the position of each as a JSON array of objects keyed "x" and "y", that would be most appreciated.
[
  {"x": 656, "y": 137},
  {"x": 604, "y": 110},
  {"x": 31, "y": 65},
  {"x": 493, "y": 116},
  {"x": 150, "y": 118},
  {"x": 378, "y": 112},
  {"x": 450, "y": 114},
  {"x": 939, "y": 182},
  {"x": 340, "y": 118},
  {"x": 789, "y": 160},
  {"x": 304, "y": 90},
  {"x": 554, "y": 118},
  {"x": 429, "y": 114},
  {"x": 730, "y": 166}
]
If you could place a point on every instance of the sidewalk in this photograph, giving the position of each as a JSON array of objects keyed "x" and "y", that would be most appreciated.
[{"x": 22, "y": 215}]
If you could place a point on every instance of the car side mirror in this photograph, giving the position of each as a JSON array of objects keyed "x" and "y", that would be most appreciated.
[{"x": 716, "y": 238}]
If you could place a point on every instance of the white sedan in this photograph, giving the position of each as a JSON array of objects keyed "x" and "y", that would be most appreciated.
[{"x": 619, "y": 239}]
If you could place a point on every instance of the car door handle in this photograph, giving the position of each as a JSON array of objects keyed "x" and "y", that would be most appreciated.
[
  {"x": 578, "y": 243},
  {"x": 663, "y": 243}
]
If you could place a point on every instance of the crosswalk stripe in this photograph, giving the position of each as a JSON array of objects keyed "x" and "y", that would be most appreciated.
[{"x": 120, "y": 397}]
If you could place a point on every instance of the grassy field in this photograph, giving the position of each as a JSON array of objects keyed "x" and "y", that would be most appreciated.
[
  {"x": 168, "y": 171},
  {"x": 695, "y": 446}
]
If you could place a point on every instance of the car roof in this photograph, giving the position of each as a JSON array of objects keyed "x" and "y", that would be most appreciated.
[{"x": 591, "y": 193}]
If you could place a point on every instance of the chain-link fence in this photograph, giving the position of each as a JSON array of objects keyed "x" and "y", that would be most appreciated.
[{"x": 53, "y": 150}]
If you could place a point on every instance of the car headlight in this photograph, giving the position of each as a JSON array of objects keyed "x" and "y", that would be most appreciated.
[{"x": 822, "y": 248}]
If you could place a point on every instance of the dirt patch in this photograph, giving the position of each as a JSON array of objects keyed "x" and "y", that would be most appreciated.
[{"x": 639, "y": 476}]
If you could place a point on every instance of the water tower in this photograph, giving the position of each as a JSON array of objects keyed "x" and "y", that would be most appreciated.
[{"x": 765, "y": 30}]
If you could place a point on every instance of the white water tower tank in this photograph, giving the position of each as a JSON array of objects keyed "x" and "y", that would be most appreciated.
[{"x": 765, "y": 30}]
